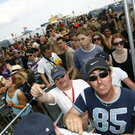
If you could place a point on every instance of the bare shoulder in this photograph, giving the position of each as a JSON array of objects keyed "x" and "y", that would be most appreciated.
[
  {"x": 58, "y": 35},
  {"x": 20, "y": 94}
]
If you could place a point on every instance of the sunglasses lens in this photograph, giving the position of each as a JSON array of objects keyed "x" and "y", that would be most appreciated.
[
  {"x": 93, "y": 78},
  {"x": 98, "y": 38},
  {"x": 104, "y": 74},
  {"x": 115, "y": 43},
  {"x": 94, "y": 40},
  {"x": 121, "y": 42},
  {"x": 50, "y": 30}
]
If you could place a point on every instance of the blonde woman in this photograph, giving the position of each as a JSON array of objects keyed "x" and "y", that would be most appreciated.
[{"x": 15, "y": 98}]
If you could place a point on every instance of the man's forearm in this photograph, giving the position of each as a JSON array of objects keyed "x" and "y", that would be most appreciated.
[
  {"x": 70, "y": 70},
  {"x": 75, "y": 72},
  {"x": 44, "y": 79}
]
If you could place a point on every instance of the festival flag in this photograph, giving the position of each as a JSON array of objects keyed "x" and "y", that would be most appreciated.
[{"x": 24, "y": 28}]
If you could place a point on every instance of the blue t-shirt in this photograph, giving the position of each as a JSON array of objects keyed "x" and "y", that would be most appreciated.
[
  {"x": 116, "y": 118},
  {"x": 81, "y": 57}
]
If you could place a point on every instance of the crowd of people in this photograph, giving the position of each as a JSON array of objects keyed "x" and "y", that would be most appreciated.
[{"x": 89, "y": 62}]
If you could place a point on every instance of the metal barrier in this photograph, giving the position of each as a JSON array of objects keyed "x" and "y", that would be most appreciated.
[{"x": 27, "y": 105}]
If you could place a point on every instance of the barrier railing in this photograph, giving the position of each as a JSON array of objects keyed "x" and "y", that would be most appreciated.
[{"x": 27, "y": 105}]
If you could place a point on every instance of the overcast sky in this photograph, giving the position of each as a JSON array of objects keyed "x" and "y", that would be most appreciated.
[{"x": 16, "y": 14}]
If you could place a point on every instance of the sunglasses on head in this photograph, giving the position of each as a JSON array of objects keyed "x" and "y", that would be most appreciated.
[
  {"x": 58, "y": 77},
  {"x": 28, "y": 55},
  {"x": 117, "y": 43},
  {"x": 101, "y": 75},
  {"x": 94, "y": 39}
]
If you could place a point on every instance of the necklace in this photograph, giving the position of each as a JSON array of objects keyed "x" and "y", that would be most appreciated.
[{"x": 108, "y": 105}]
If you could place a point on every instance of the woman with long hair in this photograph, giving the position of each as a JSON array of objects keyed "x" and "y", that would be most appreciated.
[
  {"x": 121, "y": 57},
  {"x": 98, "y": 39}
]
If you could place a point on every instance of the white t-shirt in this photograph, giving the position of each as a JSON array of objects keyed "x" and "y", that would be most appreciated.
[
  {"x": 45, "y": 66},
  {"x": 118, "y": 75},
  {"x": 62, "y": 100}
]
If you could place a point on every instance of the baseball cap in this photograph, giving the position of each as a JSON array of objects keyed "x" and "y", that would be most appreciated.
[
  {"x": 15, "y": 50},
  {"x": 103, "y": 55},
  {"x": 35, "y": 124},
  {"x": 95, "y": 63},
  {"x": 56, "y": 71}
]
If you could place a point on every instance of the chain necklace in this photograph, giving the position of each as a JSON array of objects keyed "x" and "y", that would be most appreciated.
[{"x": 107, "y": 105}]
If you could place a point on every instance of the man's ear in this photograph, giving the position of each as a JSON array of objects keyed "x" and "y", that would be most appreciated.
[
  {"x": 43, "y": 53},
  {"x": 108, "y": 62}
]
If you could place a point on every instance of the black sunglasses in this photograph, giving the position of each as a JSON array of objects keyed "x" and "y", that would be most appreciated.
[
  {"x": 117, "y": 43},
  {"x": 101, "y": 75},
  {"x": 28, "y": 55},
  {"x": 58, "y": 77},
  {"x": 94, "y": 39},
  {"x": 47, "y": 32}
]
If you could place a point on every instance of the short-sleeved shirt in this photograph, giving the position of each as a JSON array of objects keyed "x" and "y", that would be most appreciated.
[
  {"x": 116, "y": 118},
  {"x": 46, "y": 66},
  {"x": 34, "y": 67},
  {"x": 62, "y": 100},
  {"x": 118, "y": 75},
  {"x": 81, "y": 57}
]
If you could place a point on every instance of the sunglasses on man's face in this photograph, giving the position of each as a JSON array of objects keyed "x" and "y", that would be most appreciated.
[
  {"x": 94, "y": 39},
  {"x": 47, "y": 32},
  {"x": 28, "y": 55},
  {"x": 117, "y": 43},
  {"x": 101, "y": 75},
  {"x": 58, "y": 77}
]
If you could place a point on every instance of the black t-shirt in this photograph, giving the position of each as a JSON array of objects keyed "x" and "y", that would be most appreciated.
[
  {"x": 122, "y": 15},
  {"x": 26, "y": 87},
  {"x": 125, "y": 35},
  {"x": 7, "y": 61},
  {"x": 22, "y": 61},
  {"x": 63, "y": 58}
]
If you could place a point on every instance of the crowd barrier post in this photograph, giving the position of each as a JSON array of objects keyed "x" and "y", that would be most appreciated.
[
  {"x": 27, "y": 105},
  {"x": 5, "y": 118},
  {"x": 133, "y": 2}
]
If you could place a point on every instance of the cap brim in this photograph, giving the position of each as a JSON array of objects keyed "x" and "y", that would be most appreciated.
[
  {"x": 100, "y": 67},
  {"x": 57, "y": 74}
]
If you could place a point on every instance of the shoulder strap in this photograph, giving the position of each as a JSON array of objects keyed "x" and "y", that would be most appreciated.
[
  {"x": 49, "y": 60},
  {"x": 5, "y": 96}
]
